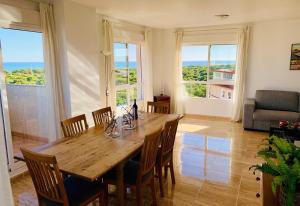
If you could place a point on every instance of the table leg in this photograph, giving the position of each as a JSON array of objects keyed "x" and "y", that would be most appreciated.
[{"x": 120, "y": 184}]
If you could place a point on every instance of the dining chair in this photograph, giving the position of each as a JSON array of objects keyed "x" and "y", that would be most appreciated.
[
  {"x": 102, "y": 116},
  {"x": 139, "y": 174},
  {"x": 158, "y": 107},
  {"x": 165, "y": 152},
  {"x": 52, "y": 189},
  {"x": 74, "y": 126}
]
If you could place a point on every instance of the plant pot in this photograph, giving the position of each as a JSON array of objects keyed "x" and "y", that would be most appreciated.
[{"x": 281, "y": 196}]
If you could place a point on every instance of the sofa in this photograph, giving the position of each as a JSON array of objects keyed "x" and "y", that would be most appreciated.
[{"x": 269, "y": 107}]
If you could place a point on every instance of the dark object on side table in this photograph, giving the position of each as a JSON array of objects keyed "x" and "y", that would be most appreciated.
[{"x": 286, "y": 133}]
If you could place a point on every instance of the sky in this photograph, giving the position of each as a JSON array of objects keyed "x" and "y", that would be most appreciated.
[
  {"x": 200, "y": 52},
  {"x": 120, "y": 52},
  {"x": 21, "y": 46}
]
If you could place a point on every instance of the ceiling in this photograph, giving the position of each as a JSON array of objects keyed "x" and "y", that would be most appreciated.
[{"x": 190, "y": 13}]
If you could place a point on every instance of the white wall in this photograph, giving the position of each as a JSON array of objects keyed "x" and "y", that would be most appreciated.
[
  {"x": 269, "y": 56},
  {"x": 78, "y": 28}
]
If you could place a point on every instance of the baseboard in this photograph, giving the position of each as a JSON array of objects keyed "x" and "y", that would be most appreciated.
[
  {"x": 207, "y": 117},
  {"x": 28, "y": 136}
]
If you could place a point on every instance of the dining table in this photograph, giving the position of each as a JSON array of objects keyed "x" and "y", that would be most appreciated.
[{"x": 93, "y": 153}]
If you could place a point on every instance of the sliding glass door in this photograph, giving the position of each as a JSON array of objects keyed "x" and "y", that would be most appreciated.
[
  {"x": 27, "y": 104},
  {"x": 5, "y": 131}
]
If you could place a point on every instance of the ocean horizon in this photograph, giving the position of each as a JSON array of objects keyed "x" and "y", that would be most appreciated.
[{"x": 12, "y": 66}]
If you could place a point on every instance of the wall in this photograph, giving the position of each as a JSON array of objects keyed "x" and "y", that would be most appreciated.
[
  {"x": 163, "y": 55},
  {"x": 78, "y": 29},
  {"x": 269, "y": 56},
  {"x": 31, "y": 111}
]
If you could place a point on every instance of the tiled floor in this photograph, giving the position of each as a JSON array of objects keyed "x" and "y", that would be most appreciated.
[
  {"x": 211, "y": 166},
  {"x": 19, "y": 141}
]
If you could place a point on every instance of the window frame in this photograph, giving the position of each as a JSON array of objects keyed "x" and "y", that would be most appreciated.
[
  {"x": 138, "y": 85},
  {"x": 208, "y": 81}
]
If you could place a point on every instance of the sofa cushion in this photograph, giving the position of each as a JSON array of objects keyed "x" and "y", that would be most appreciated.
[
  {"x": 277, "y": 100},
  {"x": 272, "y": 115}
]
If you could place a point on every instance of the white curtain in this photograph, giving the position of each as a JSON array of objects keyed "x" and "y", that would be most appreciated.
[
  {"x": 239, "y": 89},
  {"x": 147, "y": 67},
  {"x": 52, "y": 66},
  {"x": 178, "y": 86},
  {"x": 108, "y": 60}
]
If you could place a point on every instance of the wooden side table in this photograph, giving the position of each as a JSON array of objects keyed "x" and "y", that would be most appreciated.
[{"x": 163, "y": 98}]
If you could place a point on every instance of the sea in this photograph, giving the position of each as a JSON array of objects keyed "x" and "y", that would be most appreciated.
[{"x": 12, "y": 66}]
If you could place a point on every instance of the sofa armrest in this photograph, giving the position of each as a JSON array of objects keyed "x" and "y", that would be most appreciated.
[{"x": 249, "y": 108}]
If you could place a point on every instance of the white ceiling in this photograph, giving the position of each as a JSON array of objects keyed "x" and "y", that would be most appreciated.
[{"x": 190, "y": 13}]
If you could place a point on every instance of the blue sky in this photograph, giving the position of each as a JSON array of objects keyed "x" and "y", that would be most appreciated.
[
  {"x": 200, "y": 53},
  {"x": 120, "y": 52},
  {"x": 21, "y": 46}
]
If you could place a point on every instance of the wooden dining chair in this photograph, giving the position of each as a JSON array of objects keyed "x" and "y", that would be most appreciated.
[
  {"x": 139, "y": 174},
  {"x": 102, "y": 115},
  {"x": 158, "y": 107},
  {"x": 52, "y": 189},
  {"x": 74, "y": 126},
  {"x": 165, "y": 153}
]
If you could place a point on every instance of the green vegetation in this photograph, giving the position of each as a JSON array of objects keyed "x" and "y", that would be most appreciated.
[
  {"x": 282, "y": 161},
  {"x": 199, "y": 73},
  {"x": 25, "y": 76}
]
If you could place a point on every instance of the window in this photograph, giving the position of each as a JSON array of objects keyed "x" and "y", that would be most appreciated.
[
  {"x": 23, "y": 60},
  {"x": 208, "y": 71},
  {"x": 128, "y": 73}
]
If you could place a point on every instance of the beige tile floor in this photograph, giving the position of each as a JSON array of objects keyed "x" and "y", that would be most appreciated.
[{"x": 211, "y": 159}]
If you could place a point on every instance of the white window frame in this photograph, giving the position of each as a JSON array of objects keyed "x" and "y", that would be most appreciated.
[
  {"x": 209, "y": 82},
  {"x": 128, "y": 86}
]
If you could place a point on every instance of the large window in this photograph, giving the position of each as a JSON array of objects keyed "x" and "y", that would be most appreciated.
[
  {"x": 23, "y": 59},
  {"x": 128, "y": 73},
  {"x": 208, "y": 71}
]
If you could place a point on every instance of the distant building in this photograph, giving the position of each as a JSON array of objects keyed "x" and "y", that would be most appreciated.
[{"x": 223, "y": 74}]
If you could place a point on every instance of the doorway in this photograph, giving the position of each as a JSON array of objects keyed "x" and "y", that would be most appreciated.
[{"x": 27, "y": 108}]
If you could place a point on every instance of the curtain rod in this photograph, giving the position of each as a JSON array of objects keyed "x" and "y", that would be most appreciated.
[{"x": 231, "y": 28}]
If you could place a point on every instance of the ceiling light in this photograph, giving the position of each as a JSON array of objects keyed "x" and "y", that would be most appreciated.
[{"x": 222, "y": 16}]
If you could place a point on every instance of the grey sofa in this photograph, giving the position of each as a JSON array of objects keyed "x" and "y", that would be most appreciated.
[{"x": 269, "y": 107}]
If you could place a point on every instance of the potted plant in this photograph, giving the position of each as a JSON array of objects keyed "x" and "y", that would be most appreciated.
[{"x": 282, "y": 161}]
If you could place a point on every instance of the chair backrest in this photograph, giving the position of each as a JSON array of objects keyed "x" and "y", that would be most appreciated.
[
  {"x": 102, "y": 115},
  {"x": 46, "y": 177},
  {"x": 74, "y": 126},
  {"x": 158, "y": 107},
  {"x": 149, "y": 152},
  {"x": 168, "y": 136}
]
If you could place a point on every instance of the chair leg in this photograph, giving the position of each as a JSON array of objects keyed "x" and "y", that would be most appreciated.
[
  {"x": 160, "y": 178},
  {"x": 153, "y": 192},
  {"x": 172, "y": 171},
  {"x": 166, "y": 171},
  {"x": 138, "y": 196},
  {"x": 105, "y": 195}
]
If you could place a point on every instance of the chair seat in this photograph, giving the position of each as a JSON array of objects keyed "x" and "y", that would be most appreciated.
[
  {"x": 131, "y": 169},
  {"x": 78, "y": 191}
]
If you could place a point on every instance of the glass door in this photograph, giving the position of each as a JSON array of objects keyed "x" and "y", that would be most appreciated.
[
  {"x": 4, "y": 115},
  {"x": 27, "y": 104}
]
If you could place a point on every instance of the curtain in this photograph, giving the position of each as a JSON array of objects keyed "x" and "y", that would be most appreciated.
[
  {"x": 178, "y": 86},
  {"x": 146, "y": 65},
  {"x": 108, "y": 61},
  {"x": 52, "y": 66},
  {"x": 239, "y": 90}
]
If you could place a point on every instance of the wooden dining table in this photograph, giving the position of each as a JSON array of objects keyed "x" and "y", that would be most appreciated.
[{"x": 93, "y": 153}]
